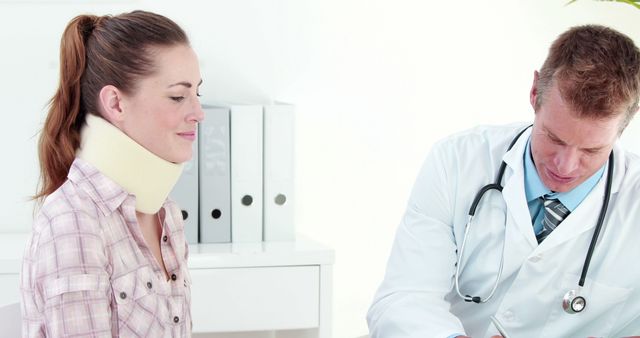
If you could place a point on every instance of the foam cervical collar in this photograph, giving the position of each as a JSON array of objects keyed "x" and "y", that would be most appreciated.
[{"x": 137, "y": 170}]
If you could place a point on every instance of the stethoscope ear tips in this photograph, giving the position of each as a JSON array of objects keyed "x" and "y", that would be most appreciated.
[{"x": 572, "y": 304}]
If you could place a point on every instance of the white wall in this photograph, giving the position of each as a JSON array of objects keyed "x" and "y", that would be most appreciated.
[{"x": 376, "y": 83}]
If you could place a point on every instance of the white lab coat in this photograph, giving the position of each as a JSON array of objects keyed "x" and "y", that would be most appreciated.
[{"x": 417, "y": 297}]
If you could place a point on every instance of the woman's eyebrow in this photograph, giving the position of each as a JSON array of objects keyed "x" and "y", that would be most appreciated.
[{"x": 184, "y": 83}]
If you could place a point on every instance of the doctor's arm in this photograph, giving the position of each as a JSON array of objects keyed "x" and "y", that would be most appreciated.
[{"x": 411, "y": 300}]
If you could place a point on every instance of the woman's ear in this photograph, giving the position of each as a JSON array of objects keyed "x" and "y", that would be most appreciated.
[{"x": 111, "y": 104}]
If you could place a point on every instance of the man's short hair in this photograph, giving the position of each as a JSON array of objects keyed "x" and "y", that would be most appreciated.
[{"x": 597, "y": 70}]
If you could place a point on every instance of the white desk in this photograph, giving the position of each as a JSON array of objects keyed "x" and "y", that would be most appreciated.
[{"x": 236, "y": 287}]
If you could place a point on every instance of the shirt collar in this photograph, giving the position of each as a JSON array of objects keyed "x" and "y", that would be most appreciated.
[
  {"x": 534, "y": 188},
  {"x": 103, "y": 191}
]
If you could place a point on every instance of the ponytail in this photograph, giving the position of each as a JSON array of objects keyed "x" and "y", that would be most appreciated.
[{"x": 60, "y": 136}]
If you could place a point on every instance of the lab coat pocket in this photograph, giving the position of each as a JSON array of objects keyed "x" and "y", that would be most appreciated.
[{"x": 603, "y": 305}]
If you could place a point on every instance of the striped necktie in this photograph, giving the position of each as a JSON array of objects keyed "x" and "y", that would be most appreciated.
[{"x": 554, "y": 213}]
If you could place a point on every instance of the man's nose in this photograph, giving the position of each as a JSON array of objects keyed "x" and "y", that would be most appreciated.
[{"x": 567, "y": 161}]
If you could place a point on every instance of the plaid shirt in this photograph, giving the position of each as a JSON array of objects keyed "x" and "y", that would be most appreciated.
[{"x": 87, "y": 271}]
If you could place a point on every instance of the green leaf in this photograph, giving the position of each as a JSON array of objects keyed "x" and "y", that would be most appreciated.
[
  {"x": 630, "y": 2},
  {"x": 634, "y": 3}
]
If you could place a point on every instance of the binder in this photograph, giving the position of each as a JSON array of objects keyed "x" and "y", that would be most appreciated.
[
  {"x": 246, "y": 173},
  {"x": 185, "y": 194},
  {"x": 215, "y": 176},
  {"x": 279, "y": 172}
]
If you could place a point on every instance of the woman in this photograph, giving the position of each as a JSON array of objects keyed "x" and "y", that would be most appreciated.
[{"x": 107, "y": 256}]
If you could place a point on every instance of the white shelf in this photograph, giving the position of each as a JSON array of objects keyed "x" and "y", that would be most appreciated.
[
  {"x": 205, "y": 255},
  {"x": 261, "y": 254}
]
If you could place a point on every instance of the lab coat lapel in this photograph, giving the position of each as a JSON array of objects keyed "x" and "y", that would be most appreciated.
[
  {"x": 519, "y": 231},
  {"x": 520, "y": 240}
]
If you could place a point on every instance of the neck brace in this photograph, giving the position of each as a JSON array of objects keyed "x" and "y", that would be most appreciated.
[{"x": 137, "y": 170}]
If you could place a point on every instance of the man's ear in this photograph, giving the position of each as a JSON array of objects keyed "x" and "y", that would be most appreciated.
[
  {"x": 111, "y": 104},
  {"x": 533, "y": 94}
]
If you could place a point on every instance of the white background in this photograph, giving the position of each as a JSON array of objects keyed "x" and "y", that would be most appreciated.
[{"x": 375, "y": 84}]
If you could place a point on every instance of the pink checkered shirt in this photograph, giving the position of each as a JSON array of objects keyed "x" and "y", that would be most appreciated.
[{"x": 87, "y": 271}]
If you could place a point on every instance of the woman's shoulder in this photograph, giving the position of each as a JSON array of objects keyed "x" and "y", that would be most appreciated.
[
  {"x": 69, "y": 209},
  {"x": 66, "y": 236}
]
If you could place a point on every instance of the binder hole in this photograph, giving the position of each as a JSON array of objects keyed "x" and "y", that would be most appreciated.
[
  {"x": 216, "y": 213},
  {"x": 280, "y": 199},
  {"x": 247, "y": 200},
  {"x": 185, "y": 215}
]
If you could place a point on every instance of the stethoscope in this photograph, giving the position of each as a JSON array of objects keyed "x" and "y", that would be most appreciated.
[{"x": 573, "y": 301}]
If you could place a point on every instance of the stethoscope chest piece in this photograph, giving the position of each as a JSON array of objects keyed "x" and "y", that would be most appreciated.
[{"x": 572, "y": 303}]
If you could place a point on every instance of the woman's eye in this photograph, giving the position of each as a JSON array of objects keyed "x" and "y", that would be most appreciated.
[
  {"x": 198, "y": 94},
  {"x": 177, "y": 98}
]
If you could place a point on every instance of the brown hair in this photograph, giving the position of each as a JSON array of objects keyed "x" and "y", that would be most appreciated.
[
  {"x": 96, "y": 51},
  {"x": 597, "y": 70}
]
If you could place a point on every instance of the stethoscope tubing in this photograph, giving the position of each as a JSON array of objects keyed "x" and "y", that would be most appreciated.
[
  {"x": 469, "y": 298},
  {"x": 603, "y": 213},
  {"x": 472, "y": 211}
]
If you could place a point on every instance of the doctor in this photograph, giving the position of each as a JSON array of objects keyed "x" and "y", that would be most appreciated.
[{"x": 525, "y": 252}]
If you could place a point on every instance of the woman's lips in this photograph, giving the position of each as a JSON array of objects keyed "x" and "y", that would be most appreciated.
[{"x": 189, "y": 135}]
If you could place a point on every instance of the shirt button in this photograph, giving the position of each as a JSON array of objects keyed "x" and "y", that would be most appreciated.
[
  {"x": 123, "y": 295},
  {"x": 174, "y": 277},
  {"x": 176, "y": 319},
  {"x": 149, "y": 285},
  {"x": 164, "y": 238}
]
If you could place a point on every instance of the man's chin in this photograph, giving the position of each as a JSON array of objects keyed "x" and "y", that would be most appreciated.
[{"x": 562, "y": 186}]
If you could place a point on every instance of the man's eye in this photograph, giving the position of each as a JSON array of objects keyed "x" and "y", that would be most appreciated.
[
  {"x": 592, "y": 151},
  {"x": 556, "y": 141},
  {"x": 177, "y": 98}
]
